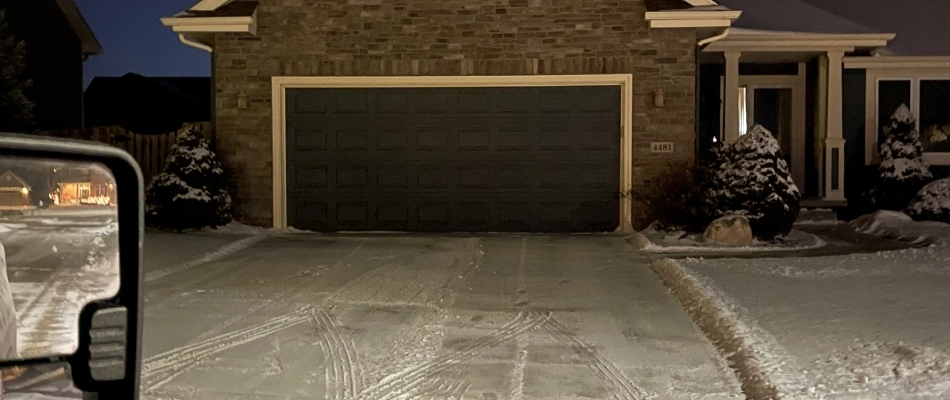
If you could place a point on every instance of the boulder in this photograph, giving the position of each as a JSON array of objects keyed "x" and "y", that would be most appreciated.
[{"x": 730, "y": 231}]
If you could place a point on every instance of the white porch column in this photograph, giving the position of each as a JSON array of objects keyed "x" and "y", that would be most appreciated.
[
  {"x": 731, "y": 97},
  {"x": 833, "y": 186}
]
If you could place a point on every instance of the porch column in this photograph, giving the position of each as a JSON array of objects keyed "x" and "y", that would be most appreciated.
[
  {"x": 834, "y": 129},
  {"x": 731, "y": 97}
]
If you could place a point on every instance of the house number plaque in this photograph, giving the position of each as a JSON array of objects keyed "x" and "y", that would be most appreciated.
[{"x": 661, "y": 147}]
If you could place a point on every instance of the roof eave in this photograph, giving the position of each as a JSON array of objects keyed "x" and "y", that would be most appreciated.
[
  {"x": 692, "y": 19},
  {"x": 184, "y": 25},
  {"x": 897, "y": 62},
  {"x": 90, "y": 44}
]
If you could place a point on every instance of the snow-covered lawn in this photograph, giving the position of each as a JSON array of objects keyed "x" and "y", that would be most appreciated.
[
  {"x": 682, "y": 242},
  {"x": 869, "y": 326}
]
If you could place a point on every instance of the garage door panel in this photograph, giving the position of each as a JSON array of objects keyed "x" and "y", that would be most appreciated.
[
  {"x": 392, "y": 102},
  {"x": 309, "y": 177},
  {"x": 307, "y": 101},
  {"x": 351, "y": 140},
  {"x": 389, "y": 176},
  {"x": 433, "y": 138},
  {"x": 475, "y": 102},
  {"x": 352, "y": 176},
  {"x": 350, "y": 101},
  {"x": 433, "y": 176},
  {"x": 434, "y": 102},
  {"x": 475, "y": 176},
  {"x": 474, "y": 139},
  {"x": 308, "y": 140},
  {"x": 446, "y": 159},
  {"x": 393, "y": 140}
]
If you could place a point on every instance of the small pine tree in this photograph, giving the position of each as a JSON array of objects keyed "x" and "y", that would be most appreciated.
[
  {"x": 902, "y": 170},
  {"x": 754, "y": 180},
  {"x": 16, "y": 110},
  {"x": 191, "y": 192}
]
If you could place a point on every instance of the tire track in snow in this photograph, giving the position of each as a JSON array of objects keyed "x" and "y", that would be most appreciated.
[
  {"x": 622, "y": 387},
  {"x": 516, "y": 376},
  {"x": 401, "y": 384},
  {"x": 211, "y": 256},
  {"x": 344, "y": 377},
  {"x": 161, "y": 368}
]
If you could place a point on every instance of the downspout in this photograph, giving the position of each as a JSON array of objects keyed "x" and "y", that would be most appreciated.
[
  {"x": 194, "y": 43},
  {"x": 699, "y": 49}
]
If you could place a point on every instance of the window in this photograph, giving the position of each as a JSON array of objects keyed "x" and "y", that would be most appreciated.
[
  {"x": 100, "y": 190},
  {"x": 929, "y": 101},
  {"x": 890, "y": 95},
  {"x": 934, "y": 119},
  {"x": 84, "y": 190}
]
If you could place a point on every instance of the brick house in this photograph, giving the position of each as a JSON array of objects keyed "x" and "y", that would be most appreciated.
[{"x": 500, "y": 115}]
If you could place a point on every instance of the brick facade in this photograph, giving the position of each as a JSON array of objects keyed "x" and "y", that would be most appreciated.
[{"x": 448, "y": 37}]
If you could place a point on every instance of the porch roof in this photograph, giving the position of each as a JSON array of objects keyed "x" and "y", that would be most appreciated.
[{"x": 792, "y": 16}]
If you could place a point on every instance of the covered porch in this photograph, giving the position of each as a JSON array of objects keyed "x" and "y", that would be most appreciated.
[{"x": 790, "y": 83}]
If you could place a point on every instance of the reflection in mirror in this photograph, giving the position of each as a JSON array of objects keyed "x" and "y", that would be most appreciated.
[
  {"x": 39, "y": 382},
  {"x": 58, "y": 252}
]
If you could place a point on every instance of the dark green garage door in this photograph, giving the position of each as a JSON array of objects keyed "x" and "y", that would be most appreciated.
[{"x": 537, "y": 159}]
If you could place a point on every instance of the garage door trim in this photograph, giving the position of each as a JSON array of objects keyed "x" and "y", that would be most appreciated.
[{"x": 280, "y": 84}]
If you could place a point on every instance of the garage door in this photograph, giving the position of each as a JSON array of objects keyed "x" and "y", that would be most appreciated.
[{"x": 527, "y": 159}]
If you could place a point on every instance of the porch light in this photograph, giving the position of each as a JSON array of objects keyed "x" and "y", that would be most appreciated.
[
  {"x": 25, "y": 191},
  {"x": 659, "y": 98},
  {"x": 242, "y": 101}
]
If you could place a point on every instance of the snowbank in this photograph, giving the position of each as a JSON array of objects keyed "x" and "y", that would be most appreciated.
[
  {"x": 900, "y": 226},
  {"x": 682, "y": 242}
]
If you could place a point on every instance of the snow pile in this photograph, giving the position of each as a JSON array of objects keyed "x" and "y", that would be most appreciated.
[
  {"x": 683, "y": 242},
  {"x": 754, "y": 181},
  {"x": 932, "y": 203},
  {"x": 885, "y": 371},
  {"x": 902, "y": 170},
  {"x": 191, "y": 192},
  {"x": 900, "y": 226}
]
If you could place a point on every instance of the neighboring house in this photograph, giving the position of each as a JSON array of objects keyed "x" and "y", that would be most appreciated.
[
  {"x": 14, "y": 192},
  {"x": 147, "y": 105},
  {"x": 58, "y": 41},
  {"x": 83, "y": 186},
  {"x": 524, "y": 115}
]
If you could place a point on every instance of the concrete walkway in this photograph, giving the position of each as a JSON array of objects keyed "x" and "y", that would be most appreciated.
[{"x": 401, "y": 316}]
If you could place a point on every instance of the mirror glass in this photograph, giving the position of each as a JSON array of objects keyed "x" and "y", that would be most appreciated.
[
  {"x": 38, "y": 382},
  {"x": 58, "y": 252}
]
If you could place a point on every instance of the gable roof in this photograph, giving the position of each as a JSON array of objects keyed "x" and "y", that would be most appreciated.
[
  {"x": 90, "y": 45},
  {"x": 9, "y": 177},
  {"x": 774, "y": 15}
]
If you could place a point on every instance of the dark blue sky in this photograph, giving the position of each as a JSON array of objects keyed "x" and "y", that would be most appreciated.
[{"x": 134, "y": 40}]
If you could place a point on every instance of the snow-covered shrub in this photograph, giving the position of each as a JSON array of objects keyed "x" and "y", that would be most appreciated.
[
  {"x": 902, "y": 171},
  {"x": 932, "y": 203},
  {"x": 754, "y": 180},
  {"x": 191, "y": 192}
]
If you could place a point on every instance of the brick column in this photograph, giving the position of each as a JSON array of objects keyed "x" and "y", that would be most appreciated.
[{"x": 833, "y": 187}]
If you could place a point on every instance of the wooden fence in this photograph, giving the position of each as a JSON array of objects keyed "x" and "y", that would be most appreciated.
[{"x": 149, "y": 151}]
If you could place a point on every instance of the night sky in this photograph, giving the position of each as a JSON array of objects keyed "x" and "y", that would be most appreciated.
[{"x": 134, "y": 40}]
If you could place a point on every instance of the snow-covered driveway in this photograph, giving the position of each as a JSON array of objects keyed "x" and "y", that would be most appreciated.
[{"x": 401, "y": 316}]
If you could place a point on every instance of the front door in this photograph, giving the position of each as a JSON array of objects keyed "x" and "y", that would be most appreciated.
[{"x": 777, "y": 102}]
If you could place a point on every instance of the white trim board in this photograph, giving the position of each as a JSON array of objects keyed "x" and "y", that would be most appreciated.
[{"x": 280, "y": 84}]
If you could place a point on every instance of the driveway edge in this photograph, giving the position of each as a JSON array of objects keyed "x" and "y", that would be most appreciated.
[{"x": 762, "y": 366}]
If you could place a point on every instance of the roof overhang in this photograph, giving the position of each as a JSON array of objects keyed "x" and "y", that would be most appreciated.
[
  {"x": 692, "y": 18},
  {"x": 90, "y": 45},
  {"x": 209, "y": 5},
  {"x": 763, "y": 41},
  {"x": 182, "y": 24},
  {"x": 897, "y": 62}
]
